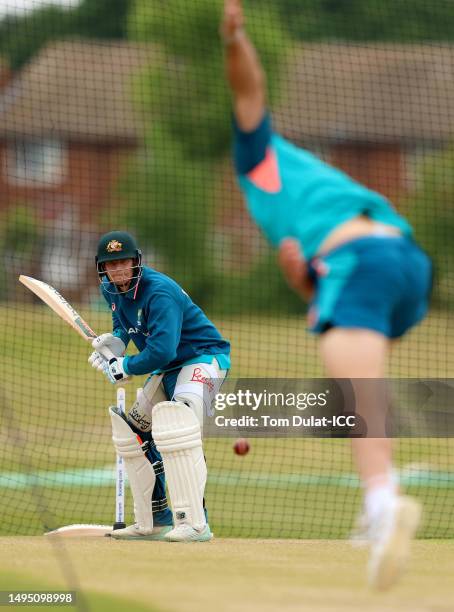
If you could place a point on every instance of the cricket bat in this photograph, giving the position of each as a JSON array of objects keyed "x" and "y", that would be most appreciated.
[
  {"x": 63, "y": 308},
  {"x": 65, "y": 311}
]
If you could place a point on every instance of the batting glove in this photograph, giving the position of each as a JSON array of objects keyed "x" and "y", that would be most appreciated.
[
  {"x": 115, "y": 370},
  {"x": 109, "y": 341}
]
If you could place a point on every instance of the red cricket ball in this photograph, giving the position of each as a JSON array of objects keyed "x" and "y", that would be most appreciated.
[{"x": 241, "y": 446}]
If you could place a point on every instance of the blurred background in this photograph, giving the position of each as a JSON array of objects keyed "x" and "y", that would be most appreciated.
[{"x": 114, "y": 114}]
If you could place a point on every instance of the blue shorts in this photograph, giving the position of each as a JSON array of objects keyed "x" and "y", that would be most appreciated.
[{"x": 382, "y": 283}]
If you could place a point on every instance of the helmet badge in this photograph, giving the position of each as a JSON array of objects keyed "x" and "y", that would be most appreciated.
[{"x": 114, "y": 246}]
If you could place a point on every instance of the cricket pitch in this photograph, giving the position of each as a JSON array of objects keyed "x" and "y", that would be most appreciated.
[{"x": 227, "y": 575}]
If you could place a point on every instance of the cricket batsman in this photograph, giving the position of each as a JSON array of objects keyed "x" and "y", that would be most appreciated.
[
  {"x": 346, "y": 251},
  {"x": 162, "y": 432}
]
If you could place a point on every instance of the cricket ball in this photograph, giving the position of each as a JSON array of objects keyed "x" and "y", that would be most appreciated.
[{"x": 241, "y": 446}]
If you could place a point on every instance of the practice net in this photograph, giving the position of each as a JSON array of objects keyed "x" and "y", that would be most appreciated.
[{"x": 116, "y": 115}]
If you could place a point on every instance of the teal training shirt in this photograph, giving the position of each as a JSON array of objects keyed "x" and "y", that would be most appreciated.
[
  {"x": 292, "y": 193},
  {"x": 168, "y": 329}
]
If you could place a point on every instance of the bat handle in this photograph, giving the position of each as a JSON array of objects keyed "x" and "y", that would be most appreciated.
[{"x": 107, "y": 353}]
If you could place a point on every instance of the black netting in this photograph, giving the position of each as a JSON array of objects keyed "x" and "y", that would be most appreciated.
[{"x": 117, "y": 115}]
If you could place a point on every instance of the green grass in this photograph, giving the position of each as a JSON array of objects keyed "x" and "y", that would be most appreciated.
[
  {"x": 227, "y": 575},
  {"x": 54, "y": 418},
  {"x": 86, "y": 600}
]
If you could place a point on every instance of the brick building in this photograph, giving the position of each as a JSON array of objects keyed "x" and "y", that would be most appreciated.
[
  {"x": 369, "y": 108},
  {"x": 67, "y": 123}
]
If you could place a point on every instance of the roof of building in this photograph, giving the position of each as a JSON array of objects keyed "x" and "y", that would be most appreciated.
[
  {"x": 334, "y": 93},
  {"x": 381, "y": 93},
  {"x": 79, "y": 90}
]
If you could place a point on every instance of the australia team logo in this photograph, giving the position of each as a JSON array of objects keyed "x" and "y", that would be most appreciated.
[{"x": 114, "y": 246}]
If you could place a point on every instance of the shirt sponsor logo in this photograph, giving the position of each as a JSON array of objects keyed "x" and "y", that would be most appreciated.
[
  {"x": 197, "y": 376},
  {"x": 141, "y": 420},
  {"x": 135, "y": 330}
]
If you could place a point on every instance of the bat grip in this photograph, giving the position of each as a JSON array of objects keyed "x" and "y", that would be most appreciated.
[{"x": 107, "y": 353}]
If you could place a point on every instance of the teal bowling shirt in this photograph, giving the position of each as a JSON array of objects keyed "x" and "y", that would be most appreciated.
[{"x": 291, "y": 193}]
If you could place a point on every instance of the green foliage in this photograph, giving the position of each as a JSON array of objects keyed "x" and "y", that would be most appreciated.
[
  {"x": 185, "y": 29},
  {"x": 23, "y": 37},
  {"x": 263, "y": 290},
  {"x": 169, "y": 209},
  {"x": 187, "y": 91},
  {"x": 20, "y": 242},
  {"x": 431, "y": 212},
  {"x": 101, "y": 19},
  {"x": 368, "y": 20},
  {"x": 20, "y": 230},
  {"x": 187, "y": 98},
  {"x": 190, "y": 28}
]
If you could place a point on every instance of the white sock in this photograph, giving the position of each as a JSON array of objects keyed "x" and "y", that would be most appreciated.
[{"x": 379, "y": 497}]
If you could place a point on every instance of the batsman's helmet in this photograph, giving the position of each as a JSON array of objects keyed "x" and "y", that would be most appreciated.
[{"x": 117, "y": 245}]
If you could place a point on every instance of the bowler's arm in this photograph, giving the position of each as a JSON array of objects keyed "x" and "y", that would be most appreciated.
[
  {"x": 247, "y": 81},
  {"x": 244, "y": 71}
]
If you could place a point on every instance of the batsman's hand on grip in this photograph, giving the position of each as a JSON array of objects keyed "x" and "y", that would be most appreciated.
[
  {"x": 105, "y": 341},
  {"x": 115, "y": 371}
]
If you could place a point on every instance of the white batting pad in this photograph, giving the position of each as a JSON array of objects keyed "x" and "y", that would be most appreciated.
[
  {"x": 176, "y": 432},
  {"x": 141, "y": 474}
]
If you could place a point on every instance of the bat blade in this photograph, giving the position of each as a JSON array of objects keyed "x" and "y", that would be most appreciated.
[
  {"x": 59, "y": 305},
  {"x": 77, "y": 531}
]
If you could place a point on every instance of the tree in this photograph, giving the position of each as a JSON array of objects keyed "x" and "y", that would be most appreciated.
[
  {"x": 171, "y": 193},
  {"x": 431, "y": 212},
  {"x": 368, "y": 20},
  {"x": 102, "y": 19},
  {"x": 22, "y": 37}
]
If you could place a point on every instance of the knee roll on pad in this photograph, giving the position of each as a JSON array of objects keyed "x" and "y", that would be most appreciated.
[
  {"x": 194, "y": 402},
  {"x": 177, "y": 435},
  {"x": 141, "y": 474}
]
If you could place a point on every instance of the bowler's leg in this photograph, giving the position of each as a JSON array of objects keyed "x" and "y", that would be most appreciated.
[{"x": 360, "y": 355}]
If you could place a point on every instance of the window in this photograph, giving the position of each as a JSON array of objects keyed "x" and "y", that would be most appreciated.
[{"x": 36, "y": 163}]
